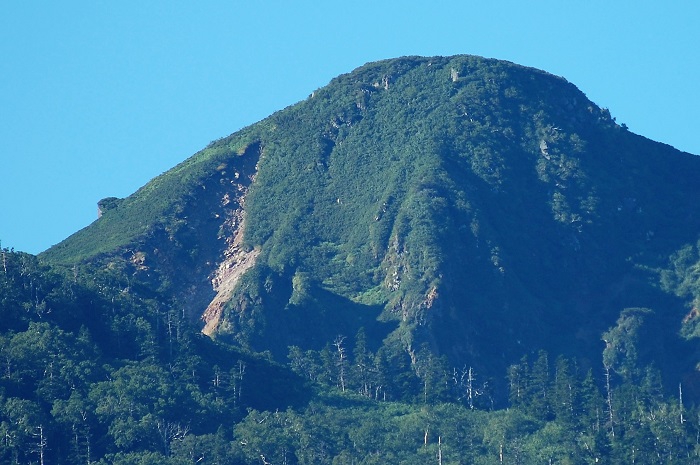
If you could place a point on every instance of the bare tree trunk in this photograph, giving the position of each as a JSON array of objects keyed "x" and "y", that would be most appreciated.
[
  {"x": 608, "y": 393},
  {"x": 238, "y": 379},
  {"x": 169, "y": 323},
  {"x": 470, "y": 388},
  {"x": 41, "y": 445},
  {"x": 170, "y": 431},
  {"x": 342, "y": 361},
  {"x": 87, "y": 446}
]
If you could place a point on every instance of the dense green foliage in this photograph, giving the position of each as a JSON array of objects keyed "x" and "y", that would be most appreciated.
[
  {"x": 91, "y": 367},
  {"x": 426, "y": 232},
  {"x": 94, "y": 373}
]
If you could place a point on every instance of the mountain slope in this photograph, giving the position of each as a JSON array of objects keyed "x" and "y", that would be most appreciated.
[{"x": 473, "y": 207}]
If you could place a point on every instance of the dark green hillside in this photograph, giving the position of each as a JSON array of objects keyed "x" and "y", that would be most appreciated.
[{"x": 475, "y": 207}]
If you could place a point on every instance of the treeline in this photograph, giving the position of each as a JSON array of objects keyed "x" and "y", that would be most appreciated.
[
  {"x": 93, "y": 369},
  {"x": 555, "y": 412}
]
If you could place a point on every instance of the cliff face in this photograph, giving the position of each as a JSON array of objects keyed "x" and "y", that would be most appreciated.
[{"x": 473, "y": 207}]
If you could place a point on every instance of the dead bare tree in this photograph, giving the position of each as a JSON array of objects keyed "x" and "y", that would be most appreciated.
[{"x": 341, "y": 361}]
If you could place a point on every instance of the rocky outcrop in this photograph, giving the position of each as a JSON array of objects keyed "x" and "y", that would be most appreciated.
[{"x": 108, "y": 203}]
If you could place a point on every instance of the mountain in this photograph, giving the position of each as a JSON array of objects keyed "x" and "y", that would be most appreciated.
[
  {"x": 451, "y": 259},
  {"x": 474, "y": 208}
]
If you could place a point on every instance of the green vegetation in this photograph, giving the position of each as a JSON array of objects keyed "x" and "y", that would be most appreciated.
[
  {"x": 461, "y": 260},
  {"x": 682, "y": 277},
  {"x": 92, "y": 370},
  {"x": 93, "y": 373}
]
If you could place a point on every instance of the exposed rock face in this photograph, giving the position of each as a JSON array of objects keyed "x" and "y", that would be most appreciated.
[
  {"x": 222, "y": 258},
  {"x": 106, "y": 204},
  {"x": 233, "y": 260},
  {"x": 236, "y": 262},
  {"x": 198, "y": 262}
]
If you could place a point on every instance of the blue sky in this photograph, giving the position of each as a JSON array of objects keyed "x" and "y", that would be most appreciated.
[{"x": 97, "y": 98}]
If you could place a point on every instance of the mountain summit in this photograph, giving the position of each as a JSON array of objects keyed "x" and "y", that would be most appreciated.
[{"x": 464, "y": 207}]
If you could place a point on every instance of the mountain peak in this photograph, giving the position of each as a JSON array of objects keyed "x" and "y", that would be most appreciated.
[{"x": 472, "y": 206}]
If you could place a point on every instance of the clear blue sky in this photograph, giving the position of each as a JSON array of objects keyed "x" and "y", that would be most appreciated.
[{"x": 96, "y": 98}]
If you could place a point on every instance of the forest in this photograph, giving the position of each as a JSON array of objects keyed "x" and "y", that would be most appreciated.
[{"x": 93, "y": 372}]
